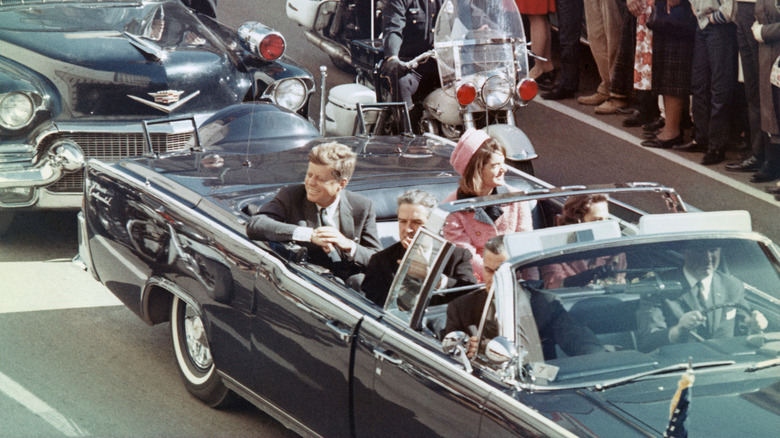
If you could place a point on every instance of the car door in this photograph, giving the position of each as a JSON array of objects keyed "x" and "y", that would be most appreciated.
[
  {"x": 301, "y": 339},
  {"x": 403, "y": 379}
]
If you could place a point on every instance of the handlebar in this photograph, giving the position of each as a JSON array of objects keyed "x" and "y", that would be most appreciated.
[{"x": 419, "y": 59}]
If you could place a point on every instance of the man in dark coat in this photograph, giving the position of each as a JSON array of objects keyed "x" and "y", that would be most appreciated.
[
  {"x": 553, "y": 322},
  {"x": 414, "y": 207},
  {"x": 337, "y": 226},
  {"x": 682, "y": 319}
]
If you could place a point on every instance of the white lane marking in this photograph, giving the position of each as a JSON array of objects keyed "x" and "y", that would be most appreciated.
[
  {"x": 38, "y": 407},
  {"x": 636, "y": 141},
  {"x": 50, "y": 285}
]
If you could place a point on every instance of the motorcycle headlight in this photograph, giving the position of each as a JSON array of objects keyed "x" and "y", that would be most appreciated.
[
  {"x": 16, "y": 110},
  {"x": 496, "y": 92},
  {"x": 290, "y": 93}
]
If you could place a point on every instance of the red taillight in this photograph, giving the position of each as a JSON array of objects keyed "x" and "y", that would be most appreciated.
[
  {"x": 466, "y": 94},
  {"x": 527, "y": 89},
  {"x": 271, "y": 47}
]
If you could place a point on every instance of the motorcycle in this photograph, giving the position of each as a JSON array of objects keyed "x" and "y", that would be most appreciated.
[
  {"x": 332, "y": 25},
  {"x": 482, "y": 58}
]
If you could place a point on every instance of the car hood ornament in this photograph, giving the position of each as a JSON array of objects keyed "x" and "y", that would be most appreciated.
[{"x": 166, "y": 100}]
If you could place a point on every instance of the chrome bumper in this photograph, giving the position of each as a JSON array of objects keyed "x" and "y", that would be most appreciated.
[{"x": 63, "y": 156}]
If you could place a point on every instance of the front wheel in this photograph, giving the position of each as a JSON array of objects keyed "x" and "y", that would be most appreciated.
[{"x": 193, "y": 355}]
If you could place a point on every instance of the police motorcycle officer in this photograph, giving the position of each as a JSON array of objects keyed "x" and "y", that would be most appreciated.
[{"x": 408, "y": 28}]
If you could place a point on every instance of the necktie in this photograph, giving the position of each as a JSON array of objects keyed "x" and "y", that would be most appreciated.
[
  {"x": 699, "y": 289},
  {"x": 326, "y": 222},
  {"x": 324, "y": 219}
]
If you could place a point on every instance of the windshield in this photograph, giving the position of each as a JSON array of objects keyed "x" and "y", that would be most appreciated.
[
  {"x": 476, "y": 40},
  {"x": 623, "y": 301}
]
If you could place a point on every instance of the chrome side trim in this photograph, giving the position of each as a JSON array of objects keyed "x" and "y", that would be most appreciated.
[{"x": 266, "y": 406}]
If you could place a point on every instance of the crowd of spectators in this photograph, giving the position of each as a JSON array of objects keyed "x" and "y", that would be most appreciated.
[{"x": 706, "y": 65}]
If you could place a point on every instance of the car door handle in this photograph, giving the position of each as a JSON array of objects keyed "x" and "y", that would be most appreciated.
[
  {"x": 343, "y": 334},
  {"x": 382, "y": 355}
]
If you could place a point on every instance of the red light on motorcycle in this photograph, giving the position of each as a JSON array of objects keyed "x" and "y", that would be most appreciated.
[
  {"x": 527, "y": 89},
  {"x": 271, "y": 47},
  {"x": 466, "y": 94}
]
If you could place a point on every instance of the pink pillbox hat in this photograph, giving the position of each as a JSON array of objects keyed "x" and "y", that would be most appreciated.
[{"x": 468, "y": 144}]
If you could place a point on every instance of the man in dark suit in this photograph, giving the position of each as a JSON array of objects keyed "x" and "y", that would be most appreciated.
[
  {"x": 337, "y": 226},
  {"x": 553, "y": 322},
  {"x": 414, "y": 207},
  {"x": 662, "y": 321}
]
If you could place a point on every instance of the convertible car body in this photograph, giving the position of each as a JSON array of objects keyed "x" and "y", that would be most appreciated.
[
  {"x": 78, "y": 76},
  {"x": 166, "y": 234}
]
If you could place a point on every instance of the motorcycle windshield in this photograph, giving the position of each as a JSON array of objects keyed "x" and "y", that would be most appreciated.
[{"x": 477, "y": 40}]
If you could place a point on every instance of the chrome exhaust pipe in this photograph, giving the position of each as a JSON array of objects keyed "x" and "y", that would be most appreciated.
[{"x": 331, "y": 49}]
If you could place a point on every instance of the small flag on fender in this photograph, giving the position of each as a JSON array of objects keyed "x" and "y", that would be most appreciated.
[{"x": 678, "y": 410}]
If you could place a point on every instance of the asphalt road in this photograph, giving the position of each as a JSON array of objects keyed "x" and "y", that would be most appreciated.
[{"x": 74, "y": 362}]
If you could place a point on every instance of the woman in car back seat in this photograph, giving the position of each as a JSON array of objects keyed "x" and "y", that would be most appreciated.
[
  {"x": 578, "y": 209},
  {"x": 479, "y": 160}
]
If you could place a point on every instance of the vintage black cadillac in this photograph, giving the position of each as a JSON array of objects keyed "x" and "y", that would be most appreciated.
[
  {"x": 78, "y": 76},
  {"x": 167, "y": 235}
]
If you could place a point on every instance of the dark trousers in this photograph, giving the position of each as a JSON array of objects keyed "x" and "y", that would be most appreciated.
[
  {"x": 570, "y": 14},
  {"x": 772, "y": 152},
  {"x": 748, "y": 53},
  {"x": 713, "y": 83},
  {"x": 621, "y": 83},
  {"x": 417, "y": 83}
]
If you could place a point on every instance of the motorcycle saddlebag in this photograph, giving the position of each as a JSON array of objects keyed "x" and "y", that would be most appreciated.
[{"x": 366, "y": 53}]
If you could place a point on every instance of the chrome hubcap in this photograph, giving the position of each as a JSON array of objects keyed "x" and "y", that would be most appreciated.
[{"x": 197, "y": 344}]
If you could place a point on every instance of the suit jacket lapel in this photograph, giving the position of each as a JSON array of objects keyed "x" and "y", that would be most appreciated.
[
  {"x": 691, "y": 301},
  {"x": 310, "y": 213},
  {"x": 347, "y": 223}
]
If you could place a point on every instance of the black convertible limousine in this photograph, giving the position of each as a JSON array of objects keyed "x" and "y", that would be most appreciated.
[{"x": 166, "y": 234}]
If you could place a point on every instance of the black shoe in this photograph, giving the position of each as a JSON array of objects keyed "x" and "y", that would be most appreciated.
[
  {"x": 712, "y": 157},
  {"x": 637, "y": 119},
  {"x": 655, "y": 125},
  {"x": 775, "y": 190},
  {"x": 663, "y": 144},
  {"x": 750, "y": 164},
  {"x": 546, "y": 81},
  {"x": 691, "y": 146},
  {"x": 558, "y": 93},
  {"x": 764, "y": 176}
]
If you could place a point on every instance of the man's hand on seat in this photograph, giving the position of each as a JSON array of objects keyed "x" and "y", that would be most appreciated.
[{"x": 328, "y": 237}]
